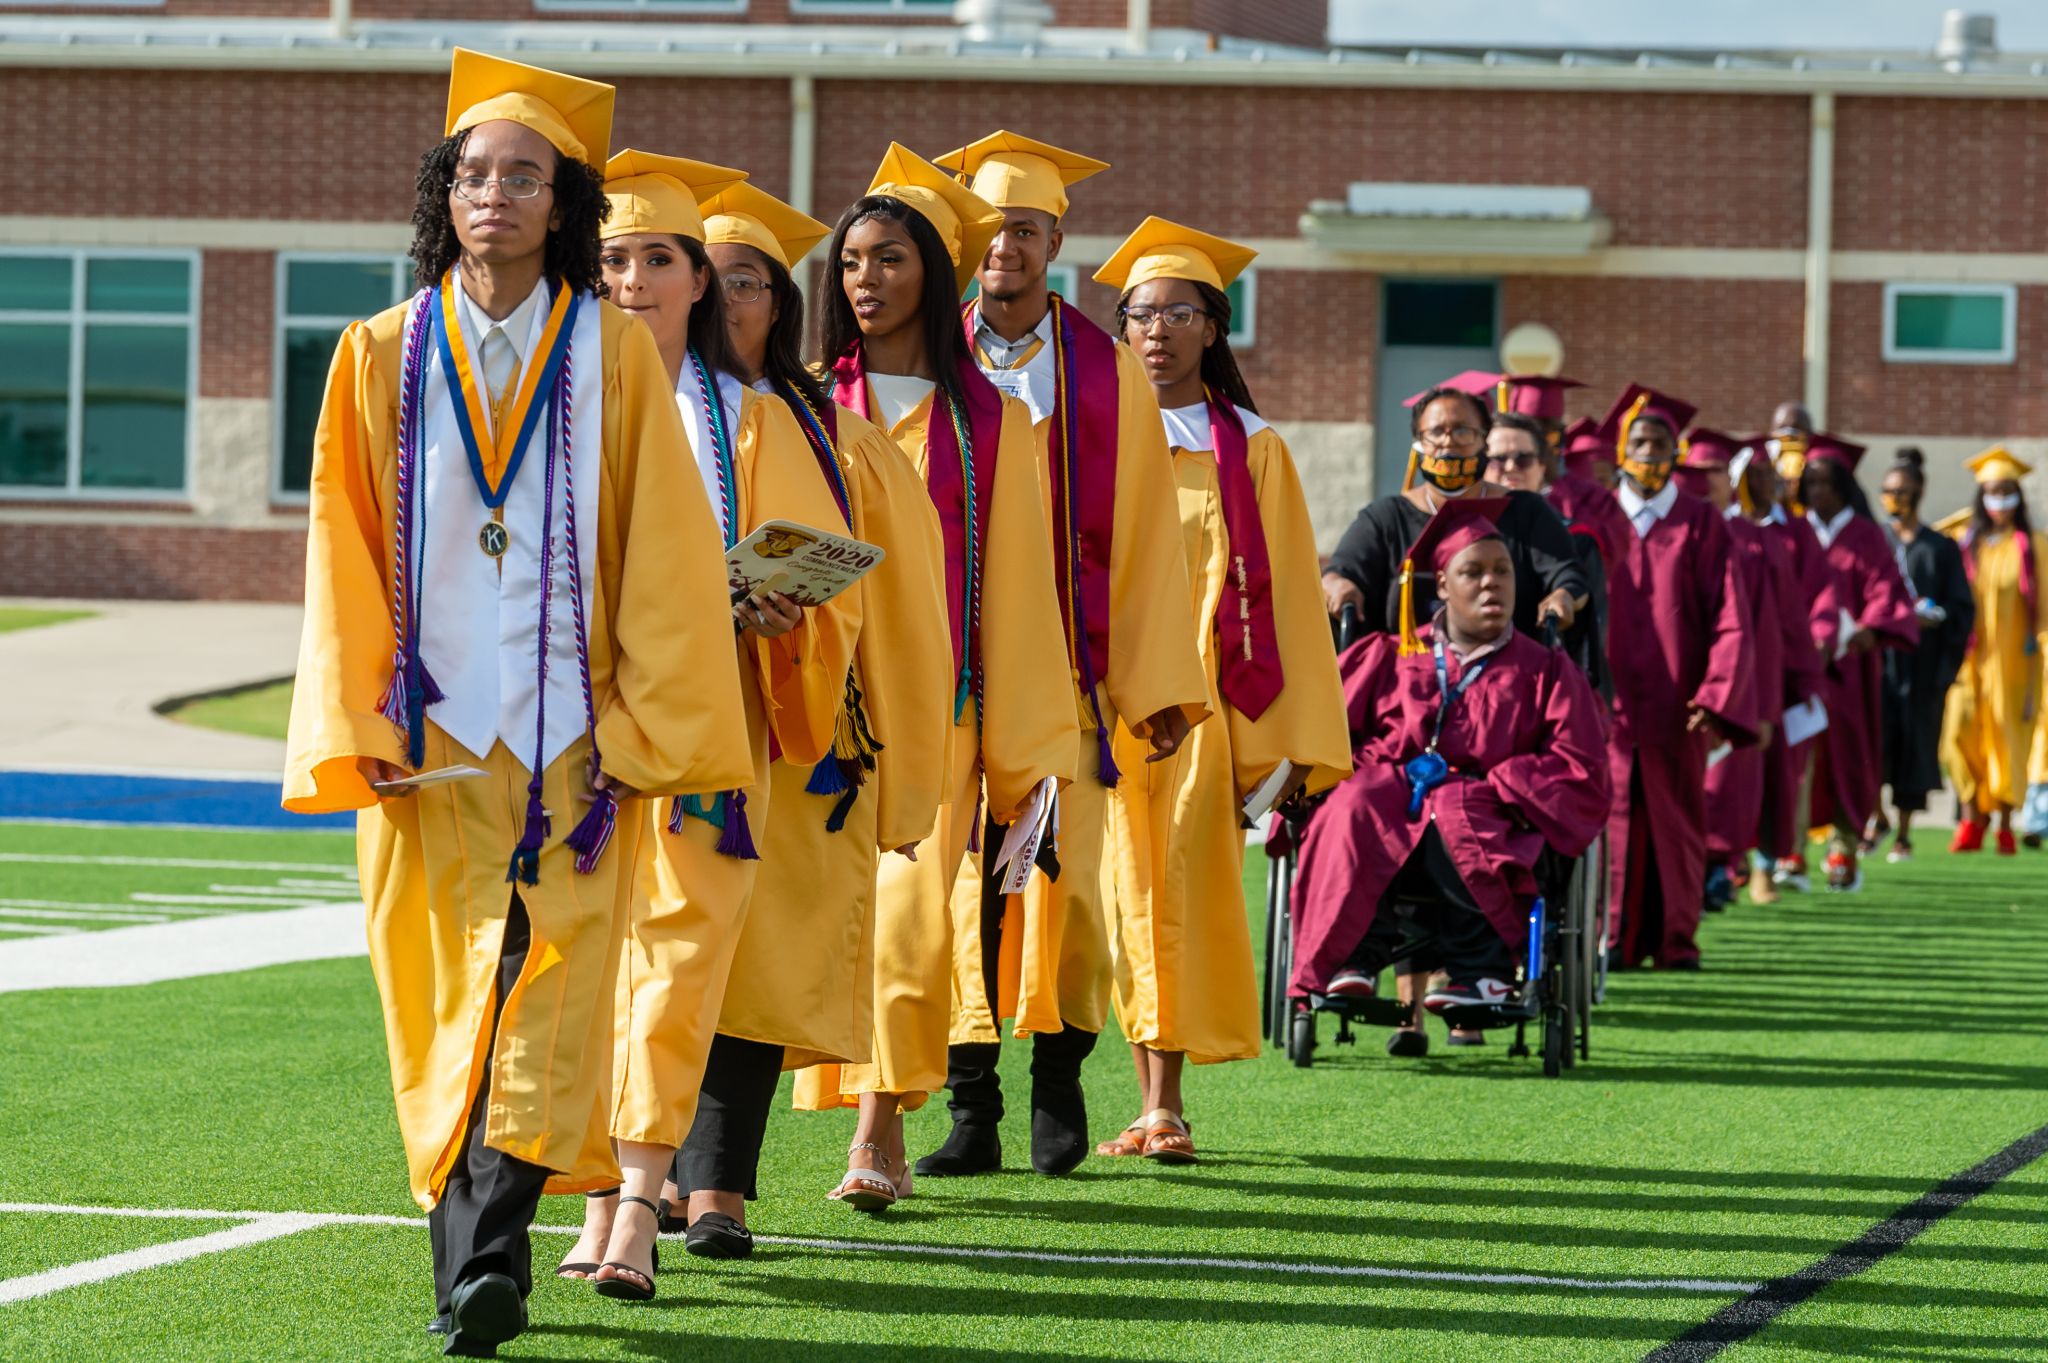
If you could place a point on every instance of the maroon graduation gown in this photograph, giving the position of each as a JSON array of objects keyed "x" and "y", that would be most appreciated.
[
  {"x": 1685, "y": 630},
  {"x": 1591, "y": 510},
  {"x": 1525, "y": 744},
  {"x": 1848, "y": 766},
  {"x": 1811, "y": 587}
]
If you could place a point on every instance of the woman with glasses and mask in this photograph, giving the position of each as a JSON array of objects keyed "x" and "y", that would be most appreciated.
[
  {"x": 801, "y": 986},
  {"x": 1992, "y": 737},
  {"x": 701, "y": 853},
  {"x": 1917, "y": 679},
  {"x": 1180, "y": 949}
]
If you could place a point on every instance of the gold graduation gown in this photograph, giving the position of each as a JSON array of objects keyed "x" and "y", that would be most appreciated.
[
  {"x": 691, "y": 902},
  {"x": 433, "y": 863},
  {"x": 1027, "y": 736},
  {"x": 1179, "y": 942},
  {"x": 1992, "y": 738},
  {"x": 803, "y": 974},
  {"x": 1054, "y": 963}
]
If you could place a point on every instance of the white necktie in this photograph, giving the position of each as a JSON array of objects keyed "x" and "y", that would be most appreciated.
[{"x": 500, "y": 361}]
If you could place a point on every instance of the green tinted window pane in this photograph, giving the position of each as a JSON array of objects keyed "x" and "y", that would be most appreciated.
[
  {"x": 135, "y": 394},
  {"x": 35, "y": 381},
  {"x": 35, "y": 283},
  {"x": 308, "y": 351},
  {"x": 116, "y": 284},
  {"x": 337, "y": 288},
  {"x": 1240, "y": 313},
  {"x": 1949, "y": 321},
  {"x": 1448, "y": 314}
]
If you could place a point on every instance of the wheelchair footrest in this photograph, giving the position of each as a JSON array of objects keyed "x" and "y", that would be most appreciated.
[
  {"x": 1487, "y": 1017},
  {"x": 1374, "y": 1012}
]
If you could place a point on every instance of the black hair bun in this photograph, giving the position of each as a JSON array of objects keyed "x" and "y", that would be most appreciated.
[{"x": 1911, "y": 457}]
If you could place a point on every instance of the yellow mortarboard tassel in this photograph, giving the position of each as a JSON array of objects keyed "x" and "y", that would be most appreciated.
[
  {"x": 1411, "y": 642},
  {"x": 1628, "y": 419},
  {"x": 1414, "y": 459},
  {"x": 1500, "y": 396}
]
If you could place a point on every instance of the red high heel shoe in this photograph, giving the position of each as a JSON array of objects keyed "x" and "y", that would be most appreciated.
[{"x": 1969, "y": 837}]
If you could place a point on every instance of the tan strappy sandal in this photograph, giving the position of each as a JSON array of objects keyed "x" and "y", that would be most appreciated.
[
  {"x": 1127, "y": 1142},
  {"x": 868, "y": 1189},
  {"x": 1167, "y": 1138}
]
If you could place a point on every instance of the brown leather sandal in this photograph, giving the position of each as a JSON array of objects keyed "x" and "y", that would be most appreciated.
[
  {"x": 1167, "y": 1138},
  {"x": 1129, "y": 1141}
]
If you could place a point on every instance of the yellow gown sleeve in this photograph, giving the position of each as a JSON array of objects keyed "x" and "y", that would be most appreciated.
[
  {"x": 802, "y": 674},
  {"x": 905, "y": 650},
  {"x": 668, "y": 721},
  {"x": 1306, "y": 723},
  {"x": 1029, "y": 730},
  {"x": 345, "y": 646},
  {"x": 1154, "y": 663}
]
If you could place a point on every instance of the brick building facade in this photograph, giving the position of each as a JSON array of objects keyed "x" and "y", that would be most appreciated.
[{"x": 205, "y": 190}]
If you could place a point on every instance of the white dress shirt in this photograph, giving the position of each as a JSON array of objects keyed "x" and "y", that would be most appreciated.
[
  {"x": 500, "y": 347},
  {"x": 1645, "y": 512}
]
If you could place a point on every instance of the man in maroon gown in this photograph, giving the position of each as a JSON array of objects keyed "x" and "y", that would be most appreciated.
[
  {"x": 1876, "y": 609},
  {"x": 1683, "y": 628},
  {"x": 1786, "y": 668},
  {"x": 1518, "y": 730}
]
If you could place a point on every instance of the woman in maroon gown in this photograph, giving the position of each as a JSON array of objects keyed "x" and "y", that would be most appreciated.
[{"x": 1518, "y": 733}]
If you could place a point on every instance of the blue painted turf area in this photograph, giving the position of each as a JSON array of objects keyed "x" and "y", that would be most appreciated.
[{"x": 153, "y": 800}]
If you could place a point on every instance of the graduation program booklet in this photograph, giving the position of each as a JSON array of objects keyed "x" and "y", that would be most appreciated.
[
  {"x": 808, "y": 566},
  {"x": 1260, "y": 802},
  {"x": 438, "y": 776},
  {"x": 1038, "y": 820},
  {"x": 1803, "y": 721}
]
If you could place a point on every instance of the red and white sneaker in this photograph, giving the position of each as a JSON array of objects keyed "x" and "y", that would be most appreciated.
[
  {"x": 1353, "y": 984},
  {"x": 1790, "y": 874},
  {"x": 1844, "y": 875},
  {"x": 1468, "y": 994}
]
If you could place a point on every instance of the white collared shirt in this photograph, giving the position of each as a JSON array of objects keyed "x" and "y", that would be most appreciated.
[
  {"x": 1645, "y": 512},
  {"x": 897, "y": 396},
  {"x": 1465, "y": 660},
  {"x": 1032, "y": 382},
  {"x": 1187, "y": 428},
  {"x": 1827, "y": 530},
  {"x": 521, "y": 327},
  {"x": 1005, "y": 354}
]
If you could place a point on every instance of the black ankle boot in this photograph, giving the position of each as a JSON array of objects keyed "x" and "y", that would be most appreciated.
[
  {"x": 1059, "y": 1112},
  {"x": 975, "y": 1098}
]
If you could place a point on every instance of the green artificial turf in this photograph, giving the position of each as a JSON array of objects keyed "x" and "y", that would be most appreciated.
[
  {"x": 34, "y": 617},
  {"x": 261, "y": 711},
  {"x": 1837, "y": 1058}
]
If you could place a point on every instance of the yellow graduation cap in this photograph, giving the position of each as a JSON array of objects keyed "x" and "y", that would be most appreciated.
[
  {"x": 652, "y": 193},
  {"x": 964, "y": 220},
  {"x": 574, "y": 115},
  {"x": 1011, "y": 170},
  {"x": 753, "y": 217},
  {"x": 1998, "y": 464},
  {"x": 1166, "y": 250}
]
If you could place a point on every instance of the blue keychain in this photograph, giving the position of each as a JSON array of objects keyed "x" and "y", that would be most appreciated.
[{"x": 1427, "y": 769}]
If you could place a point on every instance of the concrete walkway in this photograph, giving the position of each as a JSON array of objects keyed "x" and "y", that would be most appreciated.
[{"x": 79, "y": 694}]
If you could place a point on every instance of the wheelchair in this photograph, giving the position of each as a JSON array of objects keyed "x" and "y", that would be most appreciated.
[{"x": 1562, "y": 976}]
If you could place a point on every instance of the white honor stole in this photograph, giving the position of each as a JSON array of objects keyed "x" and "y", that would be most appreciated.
[{"x": 480, "y": 625}]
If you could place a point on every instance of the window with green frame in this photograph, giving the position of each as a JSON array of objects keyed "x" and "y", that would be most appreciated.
[
  {"x": 97, "y": 370},
  {"x": 318, "y": 296}
]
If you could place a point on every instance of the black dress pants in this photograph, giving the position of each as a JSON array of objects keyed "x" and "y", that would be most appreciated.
[
  {"x": 480, "y": 1224},
  {"x": 1428, "y": 920},
  {"x": 722, "y": 1153}
]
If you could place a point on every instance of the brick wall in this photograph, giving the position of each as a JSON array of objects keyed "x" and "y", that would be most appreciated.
[
  {"x": 1940, "y": 174},
  {"x": 237, "y": 318},
  {"x": 1991, "y": 401},
  {"x": 1732, "y": 347},
  {"x": 152, "y": 562}
]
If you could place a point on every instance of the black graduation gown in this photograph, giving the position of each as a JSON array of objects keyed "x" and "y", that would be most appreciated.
[{"x": 1916, "y": 680}]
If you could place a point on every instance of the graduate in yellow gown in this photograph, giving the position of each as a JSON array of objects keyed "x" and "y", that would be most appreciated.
[
  {"x": 1117, "y": 554},
  {"x": 901, "y": 256},
  {"x": 702, "y": 855},
  {"x": 1185, "y": 983},
  {"x": 801, "y": 989},
  {"x": 499, "y": 478},
  {"x": 1991, "y": 743}
]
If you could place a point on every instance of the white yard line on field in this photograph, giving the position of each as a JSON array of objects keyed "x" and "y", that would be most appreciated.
[
  {"x": 340, "y": 868},
  {"x": 159, "y": 911},
  {"x": 92, "y": 911},
  {"x": 299, "y": 1221},
  {"x": 149, "y": 953},
  {"x": 298, "y": 890},
  {"x": 251, "y": 1232}
]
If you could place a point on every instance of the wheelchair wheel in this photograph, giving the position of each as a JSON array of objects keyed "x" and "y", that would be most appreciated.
[
  {"x": 1301, "y": 1038},
  {"x": 1557, "y": 1039},
  {"x": 1279, "y": 948}
]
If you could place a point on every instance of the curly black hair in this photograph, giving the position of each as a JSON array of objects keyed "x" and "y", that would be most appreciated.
[
  {"x": 572, "y": 248},
  {"x": 1219, "y": 361}
]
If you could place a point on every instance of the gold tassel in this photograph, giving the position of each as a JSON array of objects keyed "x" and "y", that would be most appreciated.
[
  {"x": 1500, "y": 396},
  {"x": 1411, "y": 642},
  {"x": 1408, "y": 478},
  {"x": 1628, "y": 419}
]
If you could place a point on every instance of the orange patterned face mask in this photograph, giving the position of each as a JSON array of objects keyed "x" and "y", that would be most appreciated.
[
  {"x": 1650, "y": 477},
  {"x": 1449, "y": 472}
]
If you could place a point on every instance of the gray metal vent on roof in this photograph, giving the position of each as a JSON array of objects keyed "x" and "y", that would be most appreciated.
[{"x": 1966, "y": 38}]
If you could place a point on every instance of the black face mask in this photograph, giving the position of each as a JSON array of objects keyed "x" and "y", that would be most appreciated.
[{"x": 1447, "y": 472}]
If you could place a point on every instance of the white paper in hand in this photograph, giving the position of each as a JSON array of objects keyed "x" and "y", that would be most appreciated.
[
  {"x": 1024, "y": 837},
  {"x": 437, "y": 777},
  {"x": 1716, "y": 753},
  {"x": 1802, "y": 722},
  {"x": 1260, "y": 802},
  {"x": 808, "y": 566}
]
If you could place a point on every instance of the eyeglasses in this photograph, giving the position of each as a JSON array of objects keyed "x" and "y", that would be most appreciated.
[
  {"x": 472, "y": 188},
  {"x": 741, "y": 288},
  {"x": 1459, "y": 437},
  {"x": 1519, "y": 460},
  {"x": 1176, "y": 315}
]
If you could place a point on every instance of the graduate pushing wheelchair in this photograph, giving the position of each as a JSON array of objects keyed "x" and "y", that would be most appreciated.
[{"x": 1460, "y": 843}]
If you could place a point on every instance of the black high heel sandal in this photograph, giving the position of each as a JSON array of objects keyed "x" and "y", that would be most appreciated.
[
  {"x": 578, "y": 1272},
  {"x": 625, "y": 1289}
]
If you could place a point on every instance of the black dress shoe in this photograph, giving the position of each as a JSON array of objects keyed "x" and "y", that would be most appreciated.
[
  {"x": 969, "y": 1149},
  {"x": 438, "y": 1325},
  {"x": 1408, "y": 1045},
  {"x": 715, "y": 1235},
  {"x": 483, "y": 1313}
]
